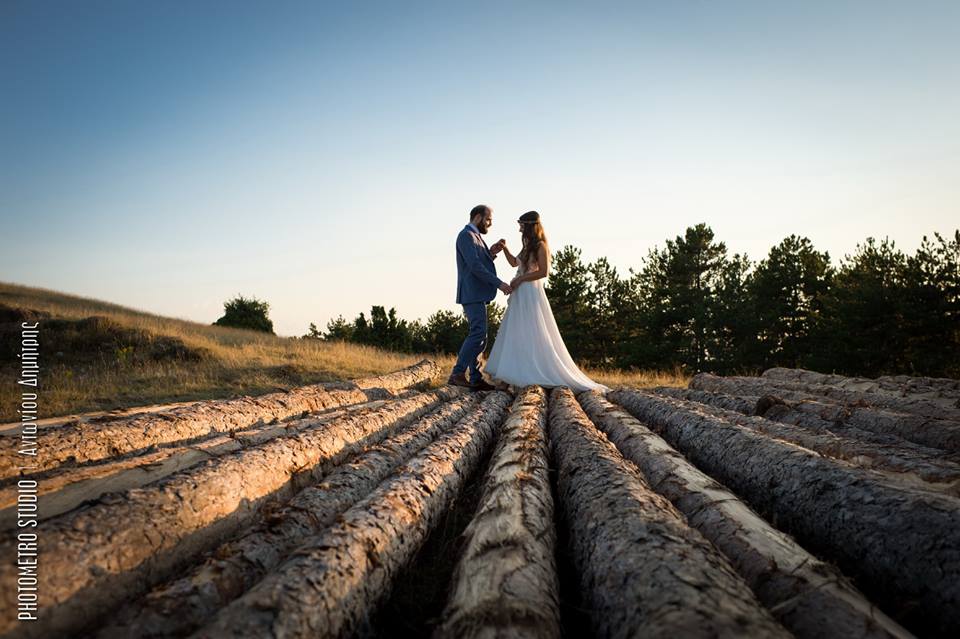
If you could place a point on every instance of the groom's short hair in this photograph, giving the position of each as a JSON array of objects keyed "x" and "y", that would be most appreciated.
[{"x": 479, "y": 209}]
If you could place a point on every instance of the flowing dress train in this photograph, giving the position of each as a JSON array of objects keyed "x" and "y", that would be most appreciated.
[{"x": 529, "y": 349}]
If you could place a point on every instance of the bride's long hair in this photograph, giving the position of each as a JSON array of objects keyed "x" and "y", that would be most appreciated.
[{"x": 533, "y": 238}]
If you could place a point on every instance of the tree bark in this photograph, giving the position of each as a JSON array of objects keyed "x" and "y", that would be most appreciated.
[
  {"x": 924, "y": 470},
  {"x": 902, "y": 544},
  {"x": 336, "y": 579},
  {"x": 119, "y": 546},
  {"x": 938, "y": 427},
  {"x": 179, "y": 607},
  {"x": 942, "y": 391},
  {"x": 644, "y": 572},
  {"x": 746, "y": 404},
  {"x": 930, "y": 435},
  {"x": 63, "y": 489},
  {"x": 80, "y": 443},
  {"x": 950, "y": 386},
  {"x": 883, "y": 429},
  {"x": 809, "y": 597},
  {"x": 505, "y": 584}
]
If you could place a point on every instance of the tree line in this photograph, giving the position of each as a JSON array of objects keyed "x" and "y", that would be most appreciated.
[{"x": 695, "y": 306}]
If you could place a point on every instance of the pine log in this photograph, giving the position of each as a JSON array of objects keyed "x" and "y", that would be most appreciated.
[
  {"x": 336, "y": 579},
  {"x": 923, "y": 469},
  {"x": 179, "y": 607},
  {"x": 505, "y": 584},
  {"x": 883, "y": 429},
  {"x": 901, "y": 544},
  {"x": 811, "y": 598},
  {"x": 80, "y": 443},
  {"x": 643, "y": 570},
  {"x": 949, "y": 387},
  {"x": 122, "y": 544},
  {"x": 940, "y": 429},
  {"x": 943, "y": 391},
  {"x": 746, "y": 404},
  {"x": 62, "y": 489},
  {"x": 931, "y": 434}
]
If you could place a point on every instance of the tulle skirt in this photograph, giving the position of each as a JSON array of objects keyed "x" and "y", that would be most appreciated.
[{"x": 529, "y": 349}]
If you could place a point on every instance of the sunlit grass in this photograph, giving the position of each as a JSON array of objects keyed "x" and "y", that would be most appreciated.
[{"x": 236, "y": 362}]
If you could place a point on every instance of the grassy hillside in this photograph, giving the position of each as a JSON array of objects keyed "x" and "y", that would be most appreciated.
[{"x": 102, "y": 356}]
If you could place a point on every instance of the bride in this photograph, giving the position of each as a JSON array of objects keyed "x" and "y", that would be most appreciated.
[{"x": 528, "y": 348}]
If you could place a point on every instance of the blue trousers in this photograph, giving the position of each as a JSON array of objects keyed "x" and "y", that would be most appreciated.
[{"x": 469, "y": 356}]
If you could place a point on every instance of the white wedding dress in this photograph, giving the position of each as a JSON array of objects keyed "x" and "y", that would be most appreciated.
[{"x": 528, "y": 349}]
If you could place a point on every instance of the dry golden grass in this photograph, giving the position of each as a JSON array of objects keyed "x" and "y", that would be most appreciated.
[{"x": 237, "y": 362}]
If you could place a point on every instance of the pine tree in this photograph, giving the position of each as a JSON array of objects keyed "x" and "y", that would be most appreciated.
[{"x": 787, "y": 290}]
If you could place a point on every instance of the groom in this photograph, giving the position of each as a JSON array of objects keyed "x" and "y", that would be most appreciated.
[{"x": 477, "y": 285}]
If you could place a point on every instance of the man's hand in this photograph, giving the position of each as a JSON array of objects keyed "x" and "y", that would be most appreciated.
[
  {"x": 498, "y": 246},
  {"x": 506, "y": 288}
]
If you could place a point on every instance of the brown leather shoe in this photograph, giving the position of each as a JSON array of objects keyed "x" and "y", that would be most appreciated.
[
  {"x": 459, "y": 380},
  {"x": 482, "y": 385}
]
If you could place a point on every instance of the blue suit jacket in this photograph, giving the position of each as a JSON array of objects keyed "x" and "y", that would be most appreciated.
[{"x": 477, "y": 279}]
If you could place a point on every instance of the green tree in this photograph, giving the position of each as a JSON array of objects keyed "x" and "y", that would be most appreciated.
[
  {"x": 338, "y": 329},
  {"x": 388, "y": 331},
  {"x": 677, "y": 290},
  {"x": 861, "y": 329},
  {"x": 494, "y": 318},
  {"x": 787, "y": 290},
  {"x": 931, "y": 309},
  {"x": 733, "y": 323},
  {"x": 567, "y": 290},
  {"x": 443, "y": 332},
  {"x": 608, "y": 305},
  {"x": 241, "y": 312}
]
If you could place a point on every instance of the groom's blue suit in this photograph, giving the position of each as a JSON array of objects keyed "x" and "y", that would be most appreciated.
[{"x": 477, "y": 284}]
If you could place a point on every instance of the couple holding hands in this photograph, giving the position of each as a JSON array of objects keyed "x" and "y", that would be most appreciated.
[{"x": 528, "y": 348}]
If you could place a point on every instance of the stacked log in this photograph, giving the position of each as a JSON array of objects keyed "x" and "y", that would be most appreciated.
[
  {"x": 62, "y": 489},
  {"x": 335, "y": 580},
  {"x": 505, "y": 583},
  {"x": 903, "y": 544},
  {"x": 643, "y": 571},
  {"x": 884, "y": 429},
  {"x": 940, "y": 390},
  {"x": 808, "y": 596},
  {"x": 944, "y": 385},
  {"x": 931, "y": 434},
  {"x": 80, "y": 443},
  {"x": 816, "y": 434},
  {"x": 931, "y": 425},
  {"x": 179, "y": 607},
  {"x": 746, "y": 404},
  {"x": 124, "y": 543}
]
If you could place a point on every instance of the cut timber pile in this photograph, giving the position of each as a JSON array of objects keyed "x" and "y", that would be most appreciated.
[
  {"x": 807, "y": 595},
  {"x": 903, "y": 543},
  {"x": 931, "y": 409},
  {"x": 819, "y": 435},
  {"x": 942, "y": 390},
  {"x": 506, "y": 581},
  {"x": 85, "y": 442},
  {"x": 334, "y": 581},
  {"x": 793, "y": 504},
  {"x": 189, "y": 602},
  {"x": 124, "y": 543},
  {"x": 644, "y": 571},
  {"x": 879, "y": 427}
]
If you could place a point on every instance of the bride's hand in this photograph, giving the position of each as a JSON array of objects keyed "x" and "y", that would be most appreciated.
[{"x": 515, "y": 282}]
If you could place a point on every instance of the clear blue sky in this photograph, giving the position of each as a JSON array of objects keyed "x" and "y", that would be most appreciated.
[{"x": 320, "y": 156}]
